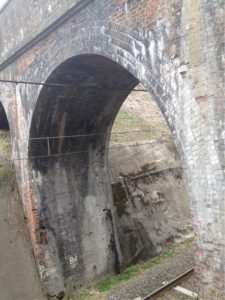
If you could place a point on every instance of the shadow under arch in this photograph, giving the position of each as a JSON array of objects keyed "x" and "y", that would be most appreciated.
[
  {"x": 138, "y": 54},
  {"x": 4, "y": 124},
  {"x": 69, "y": 136}
]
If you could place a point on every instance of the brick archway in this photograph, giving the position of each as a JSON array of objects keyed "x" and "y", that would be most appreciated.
[{"x": 147, "y": 61}]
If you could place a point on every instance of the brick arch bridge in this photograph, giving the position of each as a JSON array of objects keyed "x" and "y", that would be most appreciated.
[{"x": 96, "y": 64}]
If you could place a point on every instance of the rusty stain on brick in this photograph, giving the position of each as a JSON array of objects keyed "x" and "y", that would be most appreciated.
[{"x": 201, "y": 99}]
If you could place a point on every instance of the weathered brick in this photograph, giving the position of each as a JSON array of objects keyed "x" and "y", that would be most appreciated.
[{"x": 152, "y": 40}]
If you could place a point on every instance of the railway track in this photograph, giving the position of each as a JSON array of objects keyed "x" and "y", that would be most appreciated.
[{"x": 168, "y": 285}]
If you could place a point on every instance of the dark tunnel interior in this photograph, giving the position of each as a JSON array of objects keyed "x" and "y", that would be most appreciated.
[{"x": 3, "y": 118}]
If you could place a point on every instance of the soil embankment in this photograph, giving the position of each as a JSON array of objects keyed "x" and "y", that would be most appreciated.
[
  {"x": 18, "y": 276},
  {"x": 150, "y": 196}
]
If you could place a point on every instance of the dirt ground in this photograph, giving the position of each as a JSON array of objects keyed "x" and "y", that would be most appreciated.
[
  {"x": 188, "y": 283},
  {"x": 153, "y": 278},
  {"x": 18, "y": 276}
]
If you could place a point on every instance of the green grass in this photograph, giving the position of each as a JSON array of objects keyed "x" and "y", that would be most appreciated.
[
  {"x": 158, "y": 259},
  {"x": 5, "y": 150},
  {"x": 6, "y": 174},
  {"x": 111, "y": 282},
  {"x": 127, "y": 122},
  {"x": 134, "y": 270},
  {"x": 6, "y": 170},
  {"x": 83, "y": 294},
  {"x": 217, "y": 295}
]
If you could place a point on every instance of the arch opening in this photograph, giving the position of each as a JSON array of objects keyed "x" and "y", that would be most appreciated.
[
  {"x": 5, "y": 148},
  {"x": 68, "y": 150},
  {"x": 4, "y": 124},
  {"x": 152, "y": 209}
]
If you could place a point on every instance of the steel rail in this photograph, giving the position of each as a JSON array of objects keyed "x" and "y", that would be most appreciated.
[{"x": 168, "y": 285}]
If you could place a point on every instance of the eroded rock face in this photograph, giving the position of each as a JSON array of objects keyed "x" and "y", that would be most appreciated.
[{"x": 150, "y": 199}]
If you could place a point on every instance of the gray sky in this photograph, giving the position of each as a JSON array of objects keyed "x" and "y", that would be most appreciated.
[{"x": 2, "y": 3}]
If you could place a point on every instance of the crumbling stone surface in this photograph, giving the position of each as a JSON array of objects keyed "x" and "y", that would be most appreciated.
[
  {"x": 176, "y": 50},
  {"x": 151, "y": 203}
]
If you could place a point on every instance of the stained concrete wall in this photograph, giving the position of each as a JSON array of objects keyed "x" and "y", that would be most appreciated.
[
  {"x": 175, "y": 49},
  {"x": 149, "y": 191},
  {"x": 150, "y": 197}
]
